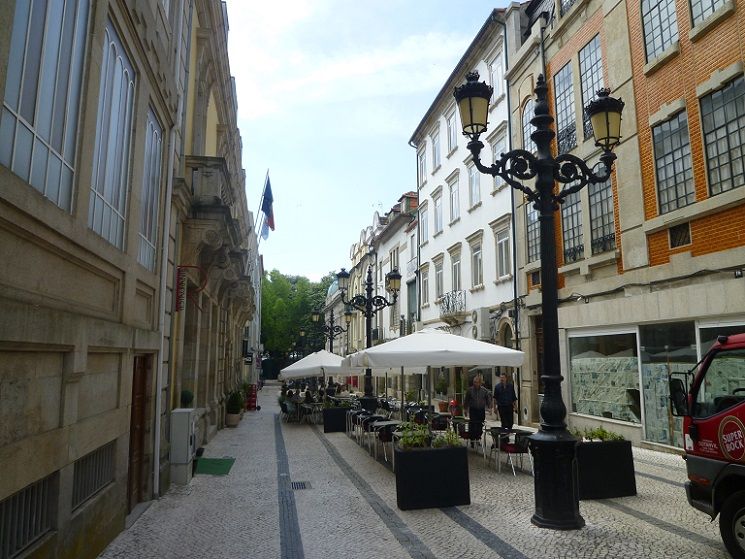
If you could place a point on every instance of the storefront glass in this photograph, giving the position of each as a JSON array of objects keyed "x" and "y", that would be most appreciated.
[
  {"x": 665, "y": 348},
  {"x": 604, "y": 373}
]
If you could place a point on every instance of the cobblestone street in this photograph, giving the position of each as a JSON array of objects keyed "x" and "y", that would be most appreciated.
[{"x": 346, "y": 507}]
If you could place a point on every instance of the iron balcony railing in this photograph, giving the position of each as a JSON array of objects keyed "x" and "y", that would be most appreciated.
[{"x": 453, "y": 302}]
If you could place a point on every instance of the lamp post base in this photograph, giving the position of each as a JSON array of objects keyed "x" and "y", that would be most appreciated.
[
  {"x": 555, "y": 481},
  {"x": 369, "y": 403}
]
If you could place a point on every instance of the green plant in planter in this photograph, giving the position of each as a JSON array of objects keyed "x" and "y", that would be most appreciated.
[
  {"x": 441, "y": 386},
  {"x": 413, "y": 435},
  {"x": 599, "y": 434},
  {"x": 234, "y": 403},
  {"x": 446, "y": 439}
]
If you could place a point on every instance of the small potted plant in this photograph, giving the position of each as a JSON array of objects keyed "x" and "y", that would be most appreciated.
[
  {"x": 605, "y": 465},
  {"x": 233, "y": 407},
  {"x": 430, "y": 476}
]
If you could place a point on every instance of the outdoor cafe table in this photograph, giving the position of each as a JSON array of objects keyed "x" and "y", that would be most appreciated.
[{"x": 498, "y": 433}]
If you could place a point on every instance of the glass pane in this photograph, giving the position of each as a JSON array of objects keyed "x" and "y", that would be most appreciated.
[
  {"x": 22, "y": 155},
  {"x": 48, "y": 71},
  {"x": 605, "y": 376},
  {"x": 53, "y": 178},
  {"x": 7, "y": 133},
  {"x": 39, "y": 167},
  {"x": 33, "y": 60},
  {"x": 15, "y": 60},
  {"x": 666, "y": 348}
]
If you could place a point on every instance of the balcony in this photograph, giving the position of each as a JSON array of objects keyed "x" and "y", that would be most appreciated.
[{"x": 453, "y": 307}]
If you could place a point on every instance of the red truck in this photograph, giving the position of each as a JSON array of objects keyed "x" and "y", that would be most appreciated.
[{"x": 711, "y": 400}]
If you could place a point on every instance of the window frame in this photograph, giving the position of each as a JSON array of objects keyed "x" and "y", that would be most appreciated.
[
  {"x": 477, "y": 264},
  {"x": 566, "y": 114},
  {"x": 454, "y": 191},
  {"x": 504, "y": 252},
  {"x": 436, "y": 152},
  {"x": 591, "y": 77},
  {"x": 474, "y": 186},
  {"x": 601, "y": 196},
  {"x": 671, "y": 147},
  {"x": 437, "y": 202},
  {"x": 533, "y": 233},
  {"x": 571, "y": 228},
  {"x": 657, "y": 33}
]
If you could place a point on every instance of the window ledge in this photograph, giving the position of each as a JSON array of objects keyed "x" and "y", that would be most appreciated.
[
  {"x": 586, "y": 264},
  {"x": 452, "y": 151},
  {"x": 496, "y": 101},
  {"x": 456, "y": 220},
  {"x": 696, "y": 210},
  {"x": 701, "y": 28},
  {"x": 532, "y": 266},
  {"x": 499, "y": 189},
  {"x": 479, "y": 287},
  {"x": 503, "y": 279},
  {"x": 425, "y": 305},
  {"x": 474, "y": 207},
  {"x": 437, "y": 234},
  {"x": 656, "y": 63},
  {"x": 437, "y": 168},
  {"x": 422, "y": 184},
  {"x": 423, "y": 243}
]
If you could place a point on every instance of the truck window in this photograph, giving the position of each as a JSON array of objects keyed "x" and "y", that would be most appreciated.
[{"x": 724, "y": 384}]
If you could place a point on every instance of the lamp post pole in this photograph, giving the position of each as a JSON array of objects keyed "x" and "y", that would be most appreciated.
[
  {"x": 330, "y": 330},
  {"x": 553, "y": 447},
  {"x": 368, "y": 305}
]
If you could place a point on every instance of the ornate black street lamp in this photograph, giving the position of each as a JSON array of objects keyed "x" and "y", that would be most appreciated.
[
  {"x": 553, "y": 447},
  {"x": 368, "y": 305},
  {"x": 329, "y": 329}
]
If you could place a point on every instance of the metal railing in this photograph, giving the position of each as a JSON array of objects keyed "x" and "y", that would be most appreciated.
[
  {"x": 93, "y": 472},
  {"x": 453, "y": 302},
  {"x": 25, "y": 517}
]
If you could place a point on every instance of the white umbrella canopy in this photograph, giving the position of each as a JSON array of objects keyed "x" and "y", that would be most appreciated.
[
  {"x": 314, "y": 365},
  {"x": 434, "y": 348}
]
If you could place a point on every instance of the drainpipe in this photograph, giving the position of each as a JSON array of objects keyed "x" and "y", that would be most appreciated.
[
  {"x": 164, "y": 252},
  {"x": 418, "y": 238},
  {"x": 515, "y": 298}
]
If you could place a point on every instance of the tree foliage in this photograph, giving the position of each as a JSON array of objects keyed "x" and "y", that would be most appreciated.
[{"x": 286, "y": 305}]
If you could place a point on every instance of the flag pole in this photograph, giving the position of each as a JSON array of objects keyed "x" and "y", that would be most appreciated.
[{"x": 261, "y": 201}]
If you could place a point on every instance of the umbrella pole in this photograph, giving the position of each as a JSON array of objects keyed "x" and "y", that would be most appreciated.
[
  {"x": 402, "y": 394},
  {"x": 429, "y": 388}
]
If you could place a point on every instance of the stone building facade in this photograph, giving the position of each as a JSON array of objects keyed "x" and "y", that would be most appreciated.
[{"x": 109, "y": 161}]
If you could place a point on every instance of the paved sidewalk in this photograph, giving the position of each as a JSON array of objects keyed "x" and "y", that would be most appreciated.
[{"x": 294, "y": 492}]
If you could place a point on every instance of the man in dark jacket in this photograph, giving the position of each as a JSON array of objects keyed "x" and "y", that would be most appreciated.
[
  {"x": 475, "y": 404},
  {"x": 505, "y": 400}
]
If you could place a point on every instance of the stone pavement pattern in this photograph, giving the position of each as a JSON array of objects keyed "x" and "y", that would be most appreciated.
[{"x": 348, "y": 508}]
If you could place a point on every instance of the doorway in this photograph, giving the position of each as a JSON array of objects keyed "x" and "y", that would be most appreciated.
[{"x": 137, "y": 477}]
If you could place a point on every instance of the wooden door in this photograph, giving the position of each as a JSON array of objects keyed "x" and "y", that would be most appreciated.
[{"x": 137, "y": 431}]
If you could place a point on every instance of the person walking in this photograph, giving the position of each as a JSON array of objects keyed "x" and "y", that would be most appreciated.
[
  {"x": 475, "y": 404},
  {"x": 505, "y": 401}
]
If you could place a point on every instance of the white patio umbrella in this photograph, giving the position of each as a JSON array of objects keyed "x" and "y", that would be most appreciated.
[
  {"x": 316, "y": 364},
  {"x": 435, "y": 348}
]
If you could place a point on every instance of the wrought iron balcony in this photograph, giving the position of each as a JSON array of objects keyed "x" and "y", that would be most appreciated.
[
  {"x": 604, "y": 243},
  {"x": 453, "y": 307}
]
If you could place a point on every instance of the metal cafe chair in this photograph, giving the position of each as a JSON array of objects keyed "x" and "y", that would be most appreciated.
[{"x": 518, "y": 447}]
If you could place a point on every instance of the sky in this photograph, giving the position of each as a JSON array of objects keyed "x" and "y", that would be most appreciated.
[{"x": 329, "y": 94}]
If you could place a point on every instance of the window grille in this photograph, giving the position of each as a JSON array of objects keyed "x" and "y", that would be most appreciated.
[
  {"x": 680, "y": 235},
  {"x": 565, "y": 115},
  {"x": 93, "y": 472},
  {"x": 602, "y": 228},
  {"x": 723, "y": 123},
  {"x": 534, "y": 233},
  {"x": 150, "y": 192},
  {"x": 701, "y": 9},
  {"x": 42, "y": 95},
  {"x": 660, "y": 26},
  {"x": 110, "y": 182},
  {"x": 591, "y": 73},
  {"x": 26, "y": 516},
  {"x": 571, "y": 223},
  {"x": 672, "y": 156}
]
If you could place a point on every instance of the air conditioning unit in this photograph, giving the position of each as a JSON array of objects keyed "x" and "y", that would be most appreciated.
[{"x": 480, "y": 327}]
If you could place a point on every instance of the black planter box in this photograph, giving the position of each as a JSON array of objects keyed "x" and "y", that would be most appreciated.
[
  {"x": 334, "y": 420},
  {"x": 605, "y": 469},
  {"x": 432, "y": 477}
]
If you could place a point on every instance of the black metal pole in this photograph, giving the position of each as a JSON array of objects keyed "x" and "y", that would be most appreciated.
[
  {"x": 368, "y": 401},
  {"x": 555, "y": 482},
  {"x": 331, "y": 331}
]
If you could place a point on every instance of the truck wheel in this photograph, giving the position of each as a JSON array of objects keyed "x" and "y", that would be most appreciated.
[{"x": 732, "y": 524}]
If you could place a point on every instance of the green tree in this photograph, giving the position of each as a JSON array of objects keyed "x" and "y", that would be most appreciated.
[{"x": 286, "y": 305}]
